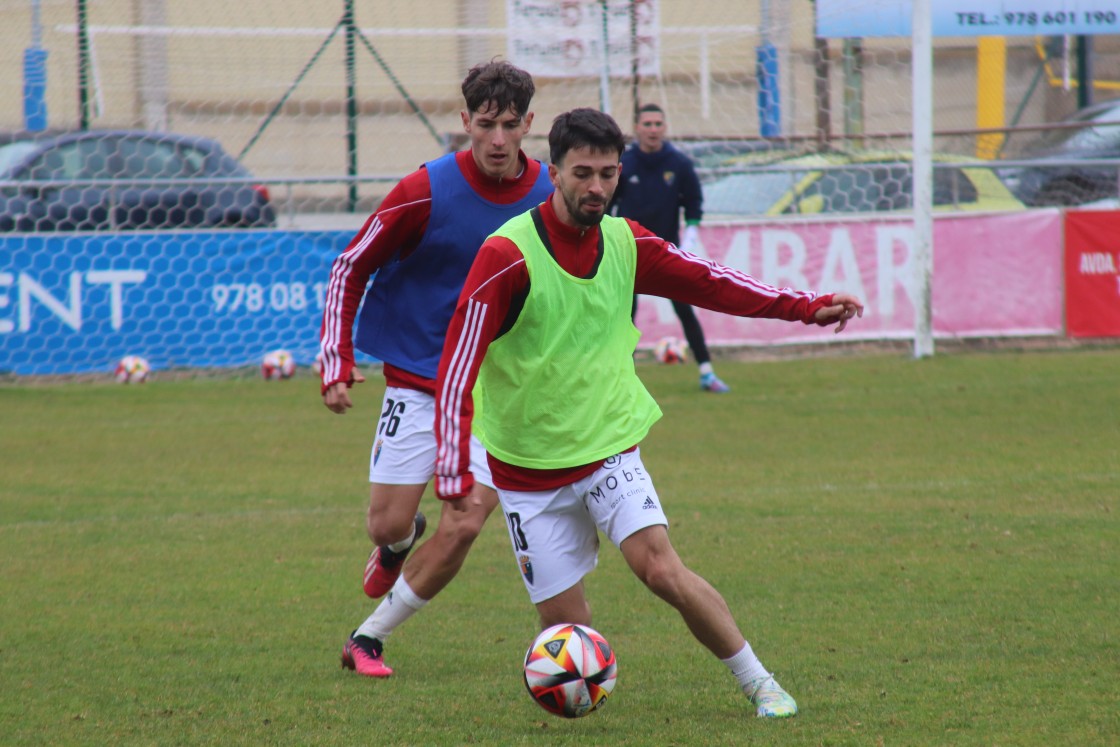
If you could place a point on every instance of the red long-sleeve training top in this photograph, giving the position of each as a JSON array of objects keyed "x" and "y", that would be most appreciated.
[
  {"x": 492, "y": 297},
  {"x": 395, "y": 228}
]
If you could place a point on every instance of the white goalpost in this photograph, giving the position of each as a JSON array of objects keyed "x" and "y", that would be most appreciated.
[{"x": 922, "y": 95}]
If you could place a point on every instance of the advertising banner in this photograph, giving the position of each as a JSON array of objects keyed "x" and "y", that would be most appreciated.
[
  {"x": 1093, "y": 273},
  {"x": 993, "y": 275},
  {"x": 876, "y": 18},
  {"x": 77, "y": 303},
  {"x": 582, "y": 38}
]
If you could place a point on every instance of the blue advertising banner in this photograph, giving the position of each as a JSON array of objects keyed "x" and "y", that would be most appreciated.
[
  {"x": 874, "y": 18},
  {"x": 76, "y": 303}
]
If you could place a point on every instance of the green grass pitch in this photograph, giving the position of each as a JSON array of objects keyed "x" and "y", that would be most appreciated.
[{"x": 925, "y": 552}]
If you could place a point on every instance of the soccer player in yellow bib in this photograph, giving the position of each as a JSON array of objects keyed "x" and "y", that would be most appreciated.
[{"x": 543, "y": 323}]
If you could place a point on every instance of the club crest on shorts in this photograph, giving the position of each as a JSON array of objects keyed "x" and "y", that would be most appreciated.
[
  {"x": 377, "y": 449},
  {"x": 526, "y": 567}
]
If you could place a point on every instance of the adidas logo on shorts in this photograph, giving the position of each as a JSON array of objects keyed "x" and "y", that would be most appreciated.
[{"x": 649, "y": 503}]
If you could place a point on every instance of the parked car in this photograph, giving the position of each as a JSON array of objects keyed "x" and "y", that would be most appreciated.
[
  {"x": 124, "y": 179},
  {"x": 707, "y": 153},
  {"x": 1052, "y": 184},
  {"x": 863, "y": 182}
]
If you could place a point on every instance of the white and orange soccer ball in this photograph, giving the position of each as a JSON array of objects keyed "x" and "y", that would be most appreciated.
[
  {"x": 278, "y": 364},
  {"x": 570, "y": 670},
  {"x": 670, "y": 350},
  {"x": 132, "y": 369}
]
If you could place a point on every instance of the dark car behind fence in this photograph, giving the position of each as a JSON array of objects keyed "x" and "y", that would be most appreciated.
[{"x": 126, "y": 180}]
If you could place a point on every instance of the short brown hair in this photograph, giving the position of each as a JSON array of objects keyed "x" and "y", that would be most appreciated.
[{"x": 498, "y": 84}]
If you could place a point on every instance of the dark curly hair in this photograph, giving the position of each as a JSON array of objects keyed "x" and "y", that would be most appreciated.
[
  {"x": 584, "y": 127},
  {"x": 499, "y": 84}
]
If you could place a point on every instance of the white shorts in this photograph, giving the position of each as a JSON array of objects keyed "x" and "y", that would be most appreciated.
[
  {"x": 404, "y": 447},
  {"x": 555, "y": 532}
]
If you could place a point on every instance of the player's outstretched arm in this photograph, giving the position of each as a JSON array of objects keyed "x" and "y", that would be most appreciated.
[{"x": 843, "y": 308}]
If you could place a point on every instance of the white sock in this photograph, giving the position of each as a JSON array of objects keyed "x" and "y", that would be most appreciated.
[
  {"x": 398, "y": 605},
  {"x": 406, "y": 542},
  {"x": 746, "y": 666},
  {"x": 706, "y": 368}
]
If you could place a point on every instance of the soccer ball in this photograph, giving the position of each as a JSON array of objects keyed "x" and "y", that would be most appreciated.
[
  {"x": 279, "y": 364},
  {"x": 132, "y": 369},
  {"x": 570, "y": 670},
  {"x": 670, "y": 350}
]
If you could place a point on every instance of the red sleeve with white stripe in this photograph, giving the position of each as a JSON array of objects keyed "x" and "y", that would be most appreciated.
[
  {"x": 396, "y": 227},
  {"x": 668, "y": 271},
  {"x": 497, "y": 276}
]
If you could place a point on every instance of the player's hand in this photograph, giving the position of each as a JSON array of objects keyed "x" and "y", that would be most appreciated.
[
  {"x": 337, "y": 396},
  {"x": 458, "y": 505},
  {"x": 470, "y": 501},
  {"x": 843, "y": 308}
]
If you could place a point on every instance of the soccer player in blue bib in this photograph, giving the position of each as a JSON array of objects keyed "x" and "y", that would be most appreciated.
[{"x": 421, "y": 243}]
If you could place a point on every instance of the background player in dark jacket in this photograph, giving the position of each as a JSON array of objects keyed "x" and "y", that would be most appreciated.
[{"x": 658, "y": 181}]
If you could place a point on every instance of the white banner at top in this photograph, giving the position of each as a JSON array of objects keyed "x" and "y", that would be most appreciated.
[
  {"x": 579, "y": 38},
  {"x": 869, "y": 18}
]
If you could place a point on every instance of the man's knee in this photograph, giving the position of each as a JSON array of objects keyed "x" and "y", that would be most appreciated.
[
  {"x": 664, "y": 576},
  {"x": 459, "y": 529},
  {"x": 389, "y": 518},
  {"x": 383, "y": 530},
  {"x": 459, "y": 534},
  {"x": 656, "y": 564}
]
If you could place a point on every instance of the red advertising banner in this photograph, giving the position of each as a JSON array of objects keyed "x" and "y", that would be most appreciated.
[
  {"x": 993, "y": 275},
  {"x": 1093, "y": 273}
]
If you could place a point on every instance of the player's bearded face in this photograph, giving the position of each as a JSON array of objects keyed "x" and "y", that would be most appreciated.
[
  {"x": 586, "y": 182},
  {"x": 496, "y": 139}
]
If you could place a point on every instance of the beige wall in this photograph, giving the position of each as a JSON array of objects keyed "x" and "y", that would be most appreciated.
[{"x": 224, "y": 84}]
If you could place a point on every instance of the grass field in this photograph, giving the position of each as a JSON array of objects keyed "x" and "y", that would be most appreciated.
[{"x": 925, "y": 552}]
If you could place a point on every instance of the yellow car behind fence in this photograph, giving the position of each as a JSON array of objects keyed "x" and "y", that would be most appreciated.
[{"x": 844, "y": 183}]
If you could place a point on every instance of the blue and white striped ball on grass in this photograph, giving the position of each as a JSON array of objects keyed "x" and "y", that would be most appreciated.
[{"x": 570, "y": 670}]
